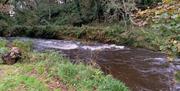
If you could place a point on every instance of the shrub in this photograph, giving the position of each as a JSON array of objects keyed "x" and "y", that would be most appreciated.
[
  {"x": 16, "y": 30},
  {"x": 42, "y": 32},
  {"x": 3, "y": 26}
]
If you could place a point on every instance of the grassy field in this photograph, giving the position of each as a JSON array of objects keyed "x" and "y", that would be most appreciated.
[{"x": 50, "y": 71}]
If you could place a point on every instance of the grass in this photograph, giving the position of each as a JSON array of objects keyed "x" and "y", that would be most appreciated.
[
  {"x": 50, "y": 71},
  {"x": 23, "y": 83},
  {"x": 177, "y": 77}
]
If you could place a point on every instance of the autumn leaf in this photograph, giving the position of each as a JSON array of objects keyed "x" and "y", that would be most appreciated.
[{"x": 167, "y": 1}]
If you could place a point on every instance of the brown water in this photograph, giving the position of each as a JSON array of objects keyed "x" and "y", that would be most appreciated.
[{"x": 139, "y": 69}]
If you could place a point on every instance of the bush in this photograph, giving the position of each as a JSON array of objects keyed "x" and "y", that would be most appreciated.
[
  {"x": 16, "y": 30},
  {"x": 3, "y": 27},
  {"x": 43, "y": 32}
]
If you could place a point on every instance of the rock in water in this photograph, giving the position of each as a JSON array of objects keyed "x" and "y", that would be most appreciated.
[{"x": 12, "y": 57}]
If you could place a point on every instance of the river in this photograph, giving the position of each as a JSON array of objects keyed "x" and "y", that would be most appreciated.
[{"x": 140, "y": 69}]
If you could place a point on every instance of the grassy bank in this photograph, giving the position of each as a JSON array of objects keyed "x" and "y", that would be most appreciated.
[{"x": 50, "y": 71}]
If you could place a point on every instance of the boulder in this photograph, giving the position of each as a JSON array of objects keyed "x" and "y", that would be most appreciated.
[{"x": 12, "y": 57}]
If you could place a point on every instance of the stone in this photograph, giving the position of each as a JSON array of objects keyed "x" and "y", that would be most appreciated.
[{"x": 12, "y": 57}]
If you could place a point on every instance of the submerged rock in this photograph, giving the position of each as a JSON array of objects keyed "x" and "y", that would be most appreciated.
[{"x": 12, "y": 57}]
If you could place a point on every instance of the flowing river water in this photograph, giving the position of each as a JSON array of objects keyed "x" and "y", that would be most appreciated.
[{"x": 139, "y": 69}]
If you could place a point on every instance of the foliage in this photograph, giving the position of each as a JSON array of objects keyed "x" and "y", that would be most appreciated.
[
  {"x": 44, "y": 12},
  {"x": 5, "y": 22},
  {"x": 166, "y": 11}
]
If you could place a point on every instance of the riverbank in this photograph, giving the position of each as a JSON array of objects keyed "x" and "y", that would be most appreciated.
[
  {"x": 149, "y": 37},
  {"x": 121, "y": 62},
  {"x": 52, "y": 72}
]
